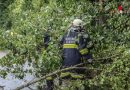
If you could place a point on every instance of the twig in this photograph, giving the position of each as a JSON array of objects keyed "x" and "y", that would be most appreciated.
[{"x": 28, "y": 86}]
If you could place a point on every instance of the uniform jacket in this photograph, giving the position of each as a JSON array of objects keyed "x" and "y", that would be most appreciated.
[{"x": 73, "y": 42}]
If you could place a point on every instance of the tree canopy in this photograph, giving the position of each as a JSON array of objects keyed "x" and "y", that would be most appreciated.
[{"x": 24, "y": 22}]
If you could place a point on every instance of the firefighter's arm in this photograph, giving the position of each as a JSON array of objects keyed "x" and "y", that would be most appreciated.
[
  {"x": 83, "y": 45},
  {"x": 87, "y": 57},
  {"x": 87, "y": 45},
  {"x": 61, "y": 40},
  {"x": 87, "y": 40},
  {"x": 46, "y": 38},
  {"x": 82, "y": 42}
]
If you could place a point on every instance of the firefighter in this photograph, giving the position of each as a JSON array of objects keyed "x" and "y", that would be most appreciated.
[
  {"x": 76, "y": 48},
  {"x": 46, "y": 39}
]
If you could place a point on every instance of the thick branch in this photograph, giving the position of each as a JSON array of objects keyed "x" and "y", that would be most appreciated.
[{"x": 44, "y": 77}]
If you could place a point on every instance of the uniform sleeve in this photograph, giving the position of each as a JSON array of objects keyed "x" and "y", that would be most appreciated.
[
  {"x": 89, "y": 43},
  {"x": 87, "y": 40},
  {"x": 61, "y": 40},
  {"x": 83, "y": 40},
  {"x": 46, "y": 38},
  {"x": 85, "y": 44}
]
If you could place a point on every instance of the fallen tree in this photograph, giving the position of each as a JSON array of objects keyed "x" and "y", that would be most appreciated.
[{"x": 62, "y": 70}]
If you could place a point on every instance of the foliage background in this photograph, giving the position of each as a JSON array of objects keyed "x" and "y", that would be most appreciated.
[{"x": 24, "y": 22}]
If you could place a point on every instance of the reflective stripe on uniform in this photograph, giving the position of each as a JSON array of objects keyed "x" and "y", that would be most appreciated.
[
  {"x": 84, "y": 51},
  {"x": 49, "y": 78},
  {"x": 70, "y": 46}
]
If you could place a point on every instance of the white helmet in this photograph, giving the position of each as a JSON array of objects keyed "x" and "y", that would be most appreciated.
[{"x": 77, "y": 22}]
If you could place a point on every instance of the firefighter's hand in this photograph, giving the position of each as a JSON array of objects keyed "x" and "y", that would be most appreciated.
[{"x": 89, "y": 60}]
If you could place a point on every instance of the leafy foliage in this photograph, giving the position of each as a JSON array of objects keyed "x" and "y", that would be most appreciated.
[{"x": 24, "y": 22}]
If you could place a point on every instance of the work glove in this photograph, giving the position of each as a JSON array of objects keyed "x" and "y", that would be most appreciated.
[{"x": 89, "y": 60}]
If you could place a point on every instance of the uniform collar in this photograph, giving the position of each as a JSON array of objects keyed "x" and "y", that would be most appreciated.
[{"x": 74, "y": 29}]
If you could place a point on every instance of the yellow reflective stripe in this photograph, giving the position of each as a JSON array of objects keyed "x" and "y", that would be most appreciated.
[
  {"x": 49, "y": 78},
  {"x": 84, "y": 51},
  {"x": 70, "y": 46}
]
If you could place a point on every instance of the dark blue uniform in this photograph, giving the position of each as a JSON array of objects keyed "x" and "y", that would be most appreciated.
[
  {"x": 71, "y": 55},
  {"x": 75, "y": 43},
  {"x": 46, "y": 39}
]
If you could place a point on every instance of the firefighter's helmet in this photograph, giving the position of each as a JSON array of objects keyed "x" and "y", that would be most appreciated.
[{"x": 77, "y": 22}]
